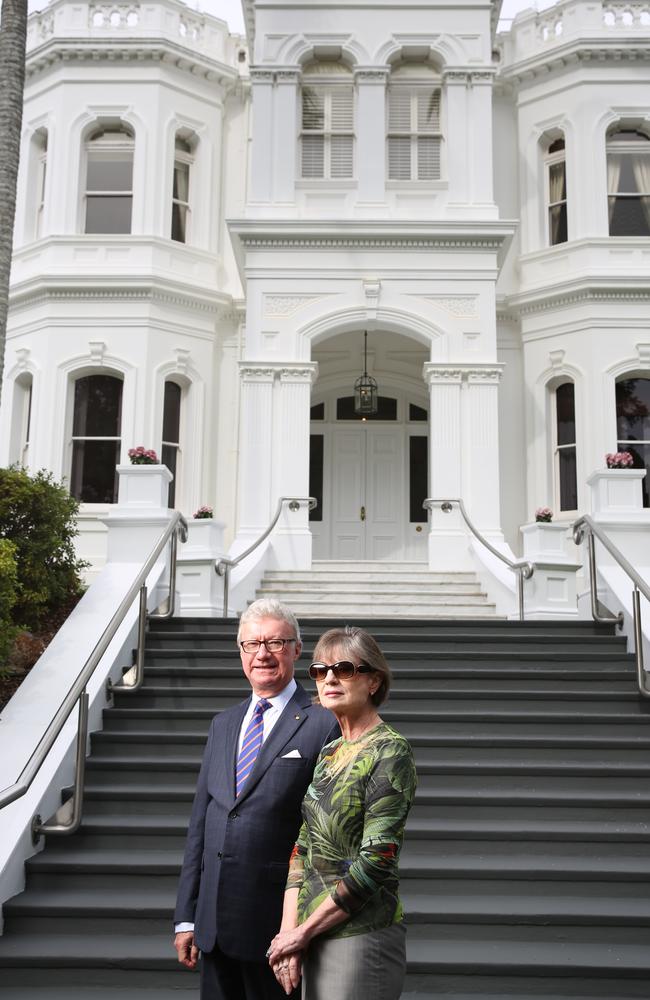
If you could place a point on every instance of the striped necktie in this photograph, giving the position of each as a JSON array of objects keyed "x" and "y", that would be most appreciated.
[{"x": 251, "y": 744}]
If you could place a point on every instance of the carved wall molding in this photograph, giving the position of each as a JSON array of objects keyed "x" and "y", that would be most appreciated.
[
  {"x": 287, "y": 305},
  {"x": 465, "y": 306}
]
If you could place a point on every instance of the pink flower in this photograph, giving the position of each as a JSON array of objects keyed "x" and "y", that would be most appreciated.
[
  {"x": 203, "y": 513},
  {"x": 619, "y": 460},
  {"x": 142, "y": 456},
  {"x": 544, "y": 514}
]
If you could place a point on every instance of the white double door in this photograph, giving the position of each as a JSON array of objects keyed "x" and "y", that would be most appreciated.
[{"x": 369, "y": 491}]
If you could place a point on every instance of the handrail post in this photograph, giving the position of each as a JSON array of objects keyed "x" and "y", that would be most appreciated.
[
  {"x": 64, "y": 826},
  {"x": 593, "y": 588},
  {"x": 226, "y": 585},
  {"x": 168, "y": 613},
  {"x": 520, "y": 593},
  {"x": 638, "y": 644},
  {"x": 138, "y": 666}
]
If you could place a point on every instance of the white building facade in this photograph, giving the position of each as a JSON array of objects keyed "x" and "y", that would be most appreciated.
[{"x": 208, "y": 225}]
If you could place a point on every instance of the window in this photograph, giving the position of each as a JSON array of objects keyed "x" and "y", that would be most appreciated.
[
  {"x": 109, "y": 181},
  {"x": 555, "y": 163},
  {"x": 41, "y": 170},
  {"x": 171, "y": 435},
  {"x": 327, "y": 126},
  {"x": 633, "y": 425},
  {"x": 628, "y": 183},
  {"x": 96, "y": 442},
  {"x": 386, "y": 409},
  {"x": 181, "y": 190},
  {"x": 566, "y": 478},
  {"x": 418, "y": 477},
  {"x": 414, "y": 136},
  {"x": 21, "y": 420}
]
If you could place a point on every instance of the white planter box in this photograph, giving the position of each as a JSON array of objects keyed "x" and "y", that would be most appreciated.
[
  {"x": 143, "y": 487},
  {"x": 201, "y": 590},
  {"x": 616, "y": 492},
  {"x": 545, "y": 540}
]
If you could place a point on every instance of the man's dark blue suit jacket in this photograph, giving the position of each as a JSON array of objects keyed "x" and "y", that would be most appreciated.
[{"x": 237, "y": 851}]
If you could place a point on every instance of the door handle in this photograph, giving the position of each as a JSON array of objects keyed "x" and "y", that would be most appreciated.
[{"x": 363, "y": 513}]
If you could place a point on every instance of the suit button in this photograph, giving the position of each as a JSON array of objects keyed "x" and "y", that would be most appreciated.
[
  {"x": 234, "y": 815},
  {"x": 219, "y": 854}
]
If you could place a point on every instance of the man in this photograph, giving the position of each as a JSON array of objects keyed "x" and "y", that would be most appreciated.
[{"x": 257, "y": 764}]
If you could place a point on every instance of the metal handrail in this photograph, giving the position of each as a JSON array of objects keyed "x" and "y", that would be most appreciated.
[
  {"x": 587, "y": 525},
  {"x": 522, "y": 568},
  {"x": 224, "y": 566},
  {"x": 69, "y": 817}
]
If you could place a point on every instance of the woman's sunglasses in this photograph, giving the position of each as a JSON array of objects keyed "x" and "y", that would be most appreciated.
[{"x": 342, "y": 669}]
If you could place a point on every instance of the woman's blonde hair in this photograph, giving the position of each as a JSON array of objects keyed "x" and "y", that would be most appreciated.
[{"x": 360, "y": 645}]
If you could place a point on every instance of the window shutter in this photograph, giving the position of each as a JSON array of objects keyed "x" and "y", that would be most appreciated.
[
  {"x": 399, "y": 111},
  {"x": 399, "y": 158},
  {"x": 341, "y": 155},
  {"x": 313, "y": 156},
  {"x": 313, "y": 110},
  {"x": 342, "y": 110},
  {"x": 428, "y": 158},
  {"x": 428, "y": 111}
]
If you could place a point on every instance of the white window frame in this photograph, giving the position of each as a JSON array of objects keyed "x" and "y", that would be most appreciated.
[
  {"x": 76, "y": 377},
  {"x": 174, "y": 487},
  {"x": 551, "y": 160},
  {"x": 558, "y": 448},
  {"x": 415, "y": 90},
  {"x": 185, "y": 157},
  {"x": 633, "y": 147},
  {"x": 21, "y": 419},
  {"x": 101, "y": 144},
  {"x": 326, "y": 86},
  {"x": 621, "y": 443}
]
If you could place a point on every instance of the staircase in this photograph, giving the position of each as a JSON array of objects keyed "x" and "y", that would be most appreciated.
[
  {"x": 377, "y": 590},
  {"x": 526, "y": 867}
]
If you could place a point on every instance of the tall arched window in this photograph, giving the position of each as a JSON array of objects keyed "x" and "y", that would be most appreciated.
[
  {"x": 21, "y": 419},
  {"x": 109, "y": 180},
  {"x": 327, "y": 121},
  {"x": 96, "y": 438},
  {"x": 171, "y": 435},
  {"x": 628, "y": 182},
  {"x": 183, "y": 161},
  {"x": 564, "y": 447},
  {"x": 414, "y": 127},
  {"x": 633, "y": 424},
  {"x": 40, "y": 149},
  {"x": 556, "y": 201}
]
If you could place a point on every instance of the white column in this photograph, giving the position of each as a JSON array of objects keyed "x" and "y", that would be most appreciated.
[
  {"x": 456, "y": 146},
  {"x": 481, "y": 448},
  {"x": 292, "y": 539},
  {"x": 480, "y": 137},
  {"x": 262, "y": 135},
  {"x": 255, "y": 448},
  {"x": 284, "y": 136},
  {"x": 371, "y": 134},
  {"x": 447, "y": 535}
]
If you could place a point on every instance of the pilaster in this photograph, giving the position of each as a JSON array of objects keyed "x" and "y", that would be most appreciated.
[
  {"x": 262, "y": 133},
  {"x": 255, "y": 447},
  {"x": 371, "y": 126},
  {"x": 284, "y": 135}
]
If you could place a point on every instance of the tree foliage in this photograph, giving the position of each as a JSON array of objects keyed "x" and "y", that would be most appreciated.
[
  {"x": 38, "y": 516},
  {"x": 8, "y": 593}
]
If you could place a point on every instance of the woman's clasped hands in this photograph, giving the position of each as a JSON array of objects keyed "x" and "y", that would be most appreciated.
[{"x": 285, "y": 958}]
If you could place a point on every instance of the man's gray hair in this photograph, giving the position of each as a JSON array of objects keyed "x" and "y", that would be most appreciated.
[{"x": 268, "y": 607}]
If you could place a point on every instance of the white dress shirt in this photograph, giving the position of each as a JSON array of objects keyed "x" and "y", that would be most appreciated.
[{"x": 278, "y": 704}]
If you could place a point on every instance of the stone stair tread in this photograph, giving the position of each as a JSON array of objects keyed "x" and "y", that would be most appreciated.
[
  {"x": 89, "y": 859},
  {"x": 544, "y": 951},
  {"x": 191, "y": 992}
]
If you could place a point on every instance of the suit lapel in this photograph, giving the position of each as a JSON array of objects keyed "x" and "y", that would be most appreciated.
[
  {"x": 228, "y": 758},
  {"x": 289, "y": 722}
]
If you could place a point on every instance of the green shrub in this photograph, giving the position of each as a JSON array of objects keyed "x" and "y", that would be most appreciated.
[
  {"x": 8, "y": 593},
  {"x": 38, "y": 515}
]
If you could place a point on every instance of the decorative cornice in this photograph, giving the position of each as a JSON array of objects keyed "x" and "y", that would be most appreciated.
[
  {"x": 371, "y": 75},
  {"x": 129, "y": 50},
  {"x": 285, "y": 371},
  {"x": 454, "y": 374},
  {"x": 547, "y": 299},
  {"x": 261, "y": 75},
  {"x": 572, "y": 53},
  {"x": 341, "y": 242},
  {"x": 33, "y": 294}
]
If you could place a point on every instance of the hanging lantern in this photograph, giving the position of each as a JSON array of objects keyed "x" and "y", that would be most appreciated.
[{"x": 365, "y": 387}]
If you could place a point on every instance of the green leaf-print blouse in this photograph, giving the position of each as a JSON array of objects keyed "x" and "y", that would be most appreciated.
[{"x": 354, "y": 813}]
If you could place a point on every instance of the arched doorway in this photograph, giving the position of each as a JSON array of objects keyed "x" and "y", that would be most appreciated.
[{"x": 370, "y": 475}]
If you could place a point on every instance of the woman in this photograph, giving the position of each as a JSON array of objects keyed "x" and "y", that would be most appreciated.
[{"x": 342, "y": 920}]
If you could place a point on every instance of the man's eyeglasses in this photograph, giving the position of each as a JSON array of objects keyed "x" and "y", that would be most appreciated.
[
  {"x": 272, "y": 645},
  {"x": 342, "y": 669}
]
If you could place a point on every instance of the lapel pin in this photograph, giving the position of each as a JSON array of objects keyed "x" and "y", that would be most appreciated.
[{"x": 297, "y": 718}]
